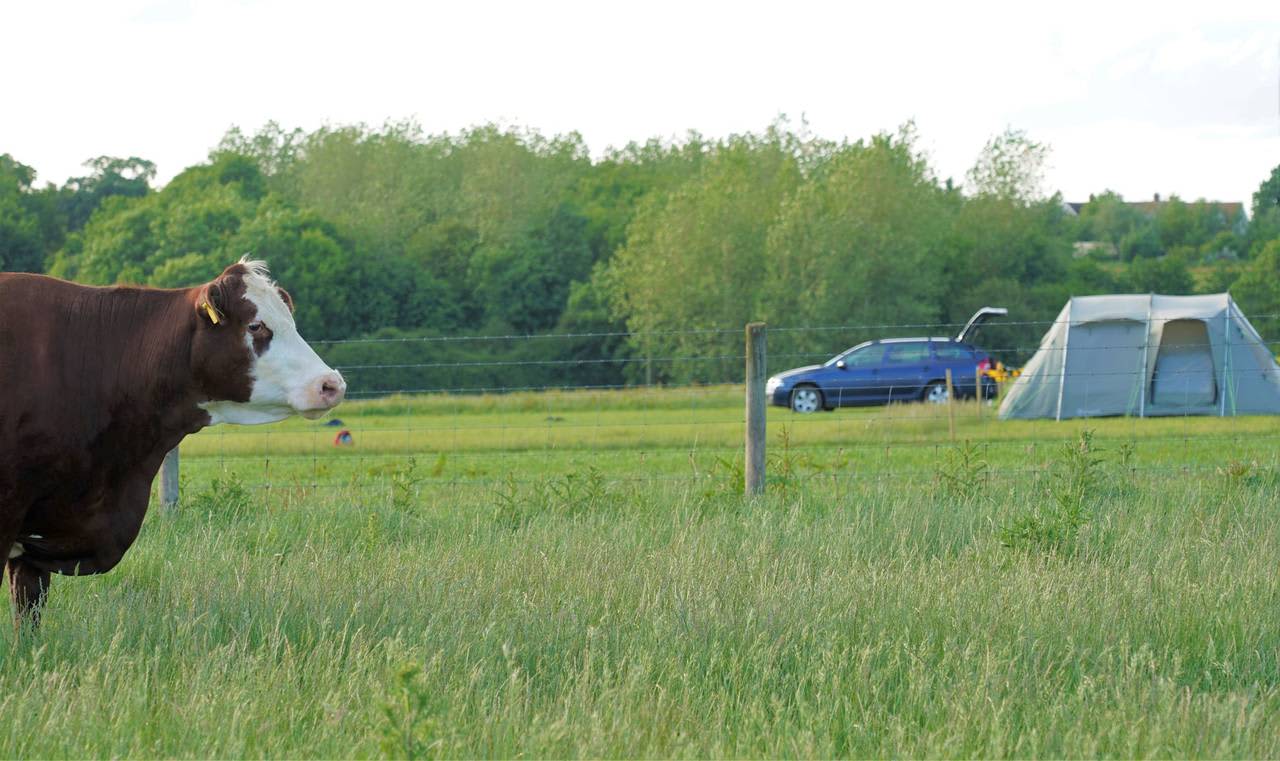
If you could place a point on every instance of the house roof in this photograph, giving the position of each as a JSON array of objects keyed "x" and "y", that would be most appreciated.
[{"x": 1229, "y": 209}]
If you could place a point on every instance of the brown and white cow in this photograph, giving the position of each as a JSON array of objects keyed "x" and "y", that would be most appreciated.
[{"x": 97, "y": 384}]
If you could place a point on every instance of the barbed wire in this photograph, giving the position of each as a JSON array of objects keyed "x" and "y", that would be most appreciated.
[
  {"x": 854, "y": 444},
  {"x": 854, "y": 475},
  {"x": 782, "y": 328},
  {"x": 495, "y": 442}
]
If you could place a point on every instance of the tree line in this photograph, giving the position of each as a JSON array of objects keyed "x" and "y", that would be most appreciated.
[{"x": 641, "y": 265}]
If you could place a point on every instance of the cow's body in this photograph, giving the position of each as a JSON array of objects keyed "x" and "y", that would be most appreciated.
[{"x": 97, "y": 384}]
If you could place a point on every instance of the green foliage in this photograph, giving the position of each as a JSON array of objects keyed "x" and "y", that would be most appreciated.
[
  {"x": 1167, "y": 275},
  {"x": 111, "y": 177},
  {"x": 576, "y": 493},
  {"x": 30, "y": 227},
  {"x": 1010, "y": 167},
  {"x": 226, "y": 495},
  {"x": 962, "y": 472},
  {"x": 1141, "y": 242},
  {"x": 1267, "y": 197},
  {"x": 525, "y": 282},
  {"x": 1074, "y": 483},
  {"x": 409, "y": 728},
  {"x": 1108, "y": 218},
  {"x": 1238, "y": 474},
  {"x": 695, "y": 257},
  {"x": 196, "y": 216},
  {"x": 1258, "y": 289},
  {"x": 387, "y": 231},
  {"x": 860, "y": 239},
  {"x": 405, "y": 485},
  {"x": 1006, "y": 252},
  {"x": 786, "y": 467},
  {"x": 21, "y": 244}
]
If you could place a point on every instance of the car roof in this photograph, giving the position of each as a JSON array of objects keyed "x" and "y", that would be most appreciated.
[{"x": 935, "y": 339}]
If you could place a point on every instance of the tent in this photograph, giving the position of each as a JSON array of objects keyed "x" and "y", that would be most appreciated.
[{"x": 1147, "y": 355}]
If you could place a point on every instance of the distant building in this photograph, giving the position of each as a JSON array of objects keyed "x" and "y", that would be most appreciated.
[
  {"x": 1098, "y": 248},
  {"x": 1232, "y": 213}
]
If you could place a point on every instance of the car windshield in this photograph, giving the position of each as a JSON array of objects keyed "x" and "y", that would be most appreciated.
[{"x": 862, "y": 355}]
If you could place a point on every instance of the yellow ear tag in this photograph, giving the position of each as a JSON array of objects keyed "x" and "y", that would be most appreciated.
[{"x": 213, "y": 313}]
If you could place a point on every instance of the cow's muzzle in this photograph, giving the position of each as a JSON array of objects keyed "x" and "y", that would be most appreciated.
[{"x": 323, "y": 394}]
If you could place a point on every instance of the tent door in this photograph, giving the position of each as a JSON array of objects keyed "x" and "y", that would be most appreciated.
[{"x": 1184, "y": 375}]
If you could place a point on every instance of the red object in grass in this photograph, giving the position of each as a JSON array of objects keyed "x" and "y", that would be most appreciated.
[{"x": 344, "y": 439}]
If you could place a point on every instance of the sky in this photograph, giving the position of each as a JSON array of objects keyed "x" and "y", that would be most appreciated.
[{"x": 1140, "y": 98}]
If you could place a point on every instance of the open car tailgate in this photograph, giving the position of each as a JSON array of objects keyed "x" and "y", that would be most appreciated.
[{"x": 977, "y": 319}]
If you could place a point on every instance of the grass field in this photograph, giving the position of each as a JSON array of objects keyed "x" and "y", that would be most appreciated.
[{"x": 566, "y": 575}]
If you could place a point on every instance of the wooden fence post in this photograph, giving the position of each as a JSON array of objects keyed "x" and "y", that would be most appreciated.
[
  {"x": 977, "y": 390},
  {"x": 951, "y": 406},
  {"x": 755, "y": 434},
  {"x": 169, "y": 479}
]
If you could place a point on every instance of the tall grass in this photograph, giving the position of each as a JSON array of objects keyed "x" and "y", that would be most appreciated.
[
  {"x": 569, "y": 615},
  {"x": 576, "y": 574}
]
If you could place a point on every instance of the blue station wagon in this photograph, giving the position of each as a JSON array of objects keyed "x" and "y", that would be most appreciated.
[{"x": 889, "y": 370}]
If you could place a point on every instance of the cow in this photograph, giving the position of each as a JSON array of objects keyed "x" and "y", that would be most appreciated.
[{"x": 98, "y": 383}]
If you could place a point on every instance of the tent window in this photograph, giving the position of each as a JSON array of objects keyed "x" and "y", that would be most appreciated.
[{"x": 1184, "y": 375}]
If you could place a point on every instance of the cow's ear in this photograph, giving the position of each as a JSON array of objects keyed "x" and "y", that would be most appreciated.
[
  {"x": 288, "y": 300},
  {"x": 211, "y": 304}
]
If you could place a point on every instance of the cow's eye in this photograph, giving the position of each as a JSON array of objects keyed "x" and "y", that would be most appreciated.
[{"x": 255, "y": 326}]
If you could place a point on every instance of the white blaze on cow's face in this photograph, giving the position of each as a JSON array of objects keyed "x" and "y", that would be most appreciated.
[{"x": 287, "y": 376}]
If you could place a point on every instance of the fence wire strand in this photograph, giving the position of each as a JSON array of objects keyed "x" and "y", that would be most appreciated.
[{"x": 434, "y": 431}]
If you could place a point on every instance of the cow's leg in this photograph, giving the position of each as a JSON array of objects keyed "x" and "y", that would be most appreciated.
[{"x": 28, "y": 588}]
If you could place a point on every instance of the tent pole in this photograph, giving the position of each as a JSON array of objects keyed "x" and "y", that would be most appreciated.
[
  {"x": 1142, "y": 374},
  {"x": 1226, "y": 357},
  {"x": 1062, "y": 376}
]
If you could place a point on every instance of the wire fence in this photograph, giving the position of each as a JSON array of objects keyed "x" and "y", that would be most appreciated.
[{"x": 667, "y": 407}]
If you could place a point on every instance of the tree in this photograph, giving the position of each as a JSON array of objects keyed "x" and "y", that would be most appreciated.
[
  {"x": 612, "y": 189},
  {"x": 1267, "y": 197},
  {"x": 523, "y": 284},
  {"x": 1265, "y": 224},
  {"x": 1106, "y": 217},
  {"x": 1003, "y": 252},
  {"x": 861, "y": 243},
  {"x": 198, "y": 212},
  {"x": 1140, "y": 242},
  {"x": 1165, "y": 275},
  {"x": 21, "y": 244},
  {"x": 1011, "y": 166},
  {"x": 694, "y": 257},
  {"x": 1175, "y": 224},
  {"x": 1258, "y": 289},
  {"x": 273, "y": 149},
  {"x": 111, "y": 176},
  {"x": 30, "y": 227}
]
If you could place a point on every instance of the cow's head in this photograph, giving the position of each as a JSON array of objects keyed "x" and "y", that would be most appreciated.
[{"x": 247, "y": 356}]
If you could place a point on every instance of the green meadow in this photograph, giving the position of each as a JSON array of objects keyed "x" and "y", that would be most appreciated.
[{"x": 577, "y": 574}]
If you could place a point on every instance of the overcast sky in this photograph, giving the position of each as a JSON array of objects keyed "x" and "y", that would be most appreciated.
[{"x": 1139, "y": 98}]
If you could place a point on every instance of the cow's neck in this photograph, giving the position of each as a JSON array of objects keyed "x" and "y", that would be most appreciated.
[{"x": 145, "y": 349}]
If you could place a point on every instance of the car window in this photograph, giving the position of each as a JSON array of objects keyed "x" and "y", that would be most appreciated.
[
  {"x": 952, "y": 351},
  {"x": 867, "y": 356},
  {"x": 907, "y": 353}
]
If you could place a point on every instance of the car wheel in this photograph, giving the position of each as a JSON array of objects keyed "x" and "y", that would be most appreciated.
[
  {"x": 806, "y": 399},
  {"x": 935, "y": 393}
]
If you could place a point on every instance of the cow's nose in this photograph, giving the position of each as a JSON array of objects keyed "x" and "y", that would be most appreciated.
[{"x": 331, "y": 388}]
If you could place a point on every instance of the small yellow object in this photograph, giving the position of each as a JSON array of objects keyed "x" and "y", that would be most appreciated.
[{"x": 213, "y": 313}]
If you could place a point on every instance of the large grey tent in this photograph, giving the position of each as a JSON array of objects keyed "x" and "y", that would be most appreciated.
[{"x": 1147, "y": 355}]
